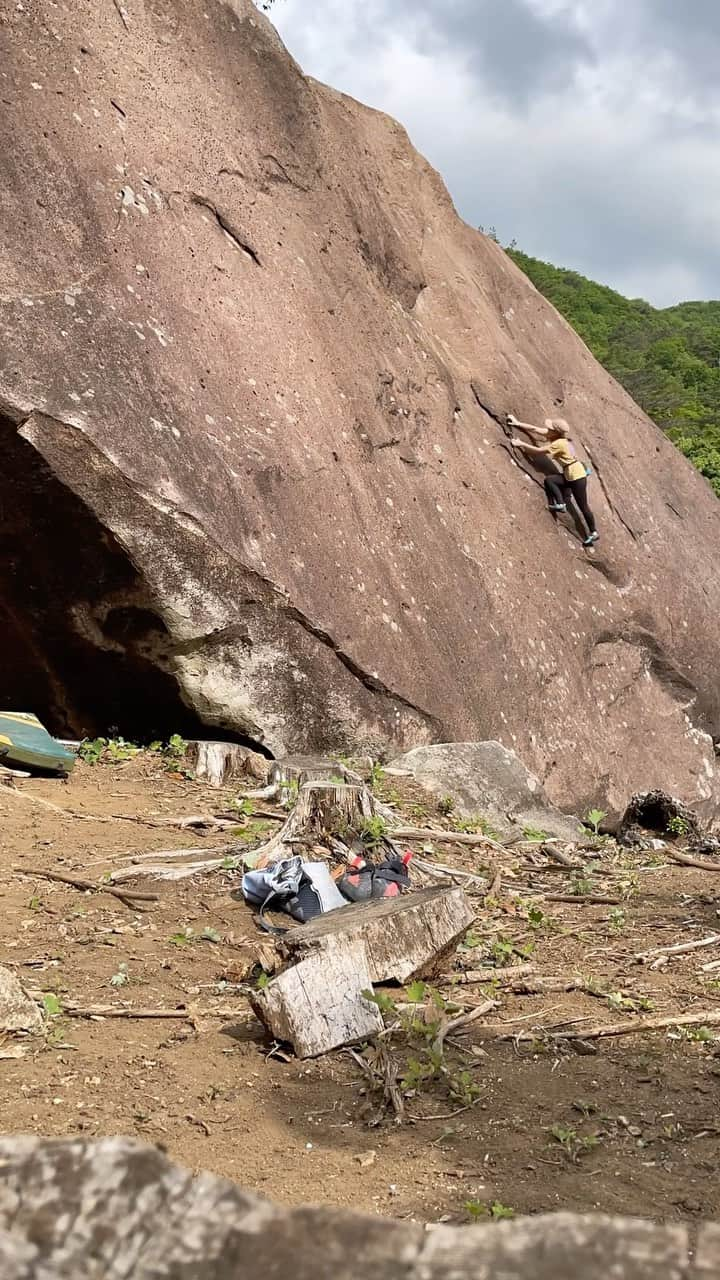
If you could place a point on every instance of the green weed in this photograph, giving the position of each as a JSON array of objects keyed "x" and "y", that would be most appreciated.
[
  {"x": 479, "y": 1211},
  {"x": 535, "y": 834},
  {"x": 573, "y": 1144},
  {"x": 593, "y": 819}
]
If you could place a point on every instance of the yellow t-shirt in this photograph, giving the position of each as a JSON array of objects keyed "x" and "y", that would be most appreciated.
[{"x": 561, "y": 453}]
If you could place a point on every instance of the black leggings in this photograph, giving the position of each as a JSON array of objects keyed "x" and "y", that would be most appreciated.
[{"x": 558, "y": 489}]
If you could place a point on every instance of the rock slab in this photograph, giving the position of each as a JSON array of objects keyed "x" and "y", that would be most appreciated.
[
  {"x": 18, "y": 1012},
  {"x": 253, "y": 376},
  {"x": 489, "y": 780},
  {"x": 73, "y": 1210}
]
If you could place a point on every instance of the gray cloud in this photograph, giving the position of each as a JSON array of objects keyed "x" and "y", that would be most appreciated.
[
  {"x": 507, "y": 44},
  {"x": 586, "y": 129}
]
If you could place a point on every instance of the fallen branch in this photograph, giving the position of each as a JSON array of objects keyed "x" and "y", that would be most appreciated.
[
  {"x": 456, "y": 1024},
  {"x": 492, "y": 975},
  {"x": 197, "y": 851},
  {"x": 426, "y": 835},
  {"x": 679, "y": 949},
  {"x": 637, "y": 1026},
  {"x": 688, "y": 860},
  {"x": 162, "y": 871},
  {"x": 557, "y": 855},
  {"x": 129, "y": 897},
  {"x": 112, "y": 1011},
  {"x": 442, "y": 872},
  {"x": 597, "y": 898},
  {"x": 263, "y": 793}
]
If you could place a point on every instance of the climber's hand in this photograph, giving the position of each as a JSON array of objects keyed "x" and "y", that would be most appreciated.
[{"x": 512, "y": 421}]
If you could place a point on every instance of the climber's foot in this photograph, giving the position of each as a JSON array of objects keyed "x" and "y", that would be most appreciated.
[
  {"x": 557, "y": 506},
  {"x": 591, "y": 539}
]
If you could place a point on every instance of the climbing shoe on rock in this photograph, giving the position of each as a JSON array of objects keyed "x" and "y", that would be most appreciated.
[
  {"x": 557, "y": 506},
  {"x": 591, "y": 539}
]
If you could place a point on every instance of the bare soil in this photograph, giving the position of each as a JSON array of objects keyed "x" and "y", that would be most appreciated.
[{"x": 203, "y": 1087}]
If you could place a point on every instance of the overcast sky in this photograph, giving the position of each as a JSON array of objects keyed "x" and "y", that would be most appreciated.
[{"x": 587, "y": 130}]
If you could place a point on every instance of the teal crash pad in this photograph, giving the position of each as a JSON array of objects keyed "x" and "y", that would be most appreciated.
[{"x": 25, "y": 744}]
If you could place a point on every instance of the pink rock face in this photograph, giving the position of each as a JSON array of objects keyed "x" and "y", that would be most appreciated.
[{"x": 252, "y": 374}]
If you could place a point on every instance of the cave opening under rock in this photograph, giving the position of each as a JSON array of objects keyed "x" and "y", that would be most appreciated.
[{"x": 83, "y": 644}]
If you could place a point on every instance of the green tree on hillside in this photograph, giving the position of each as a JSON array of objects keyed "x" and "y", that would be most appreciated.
[{"x": 668, "y": 360}]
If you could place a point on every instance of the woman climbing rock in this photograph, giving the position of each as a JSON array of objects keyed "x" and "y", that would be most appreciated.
[{"x": 572, "y": 483}]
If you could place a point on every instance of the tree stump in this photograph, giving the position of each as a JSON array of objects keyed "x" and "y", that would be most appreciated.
[
  {"x": 323, "y": 811},
  {"x": 217, "y": 763},
  {"x": 661, "y": 814}
]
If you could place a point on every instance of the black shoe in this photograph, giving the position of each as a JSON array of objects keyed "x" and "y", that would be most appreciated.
[{"x": 591, "y": 539}]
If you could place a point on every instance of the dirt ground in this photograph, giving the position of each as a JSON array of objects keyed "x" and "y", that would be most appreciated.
[{"x": 204, "y": 1087}]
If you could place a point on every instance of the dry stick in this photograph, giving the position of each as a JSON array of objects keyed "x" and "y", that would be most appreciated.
[
  {"x": 198, "y": 851},
  {"x": 582, "y": 898},
  {"x": 425, "y": 834},
  {"x": 111, "y": 1011},
  {"x": 126, "y": 896},
  {"x": 463, "y": 1020},
  {"x": 448, "y": 873},
  {"x": 688, "y": 860},
  {"x": 709, "y": 1018},
  {"x": 491, "y": 975},
  {"x": 558, "y": 856},
  {"x": 681, "y": 947},
  {"x": 161, "y": 871}
]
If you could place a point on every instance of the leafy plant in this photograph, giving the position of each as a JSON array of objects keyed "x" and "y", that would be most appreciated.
[
  {"x": 51, "y": 1004},
  {"x": 121, "y": 977},
  {"x": 109, "y": 750},
  {"x": 573, "y": 1144},
  {"x": 372, "y": 831},
  {"x": 416, "y": 1027},
  {"x": 445, "y": 805},
  {"x": 243, "y": 807},
  {"x": 503, "y": 950},
  {"x": 629, "y": 1004},
  {"x": 617, "y": 919},
  {"x": 535, "y": 834},
  {"x": 677, "y": 826},
  {"x": 700, "y": 1035},
  {"x": 593, "y": 819},
  {"x": 481, "y": 826},
  {"x": 377, "y": 773},
  {"x": 184, "y": 936},
  {"x": 479, "y": 1210},
  {"x": 176, "y": 748},
  {"x": 583, "y": 886}
]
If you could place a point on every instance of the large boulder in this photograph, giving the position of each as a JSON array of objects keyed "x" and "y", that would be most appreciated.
[
  {"x": 18, "y": 1012},
  {"x": 488, "y": 780},
  {"x": 253, "y": 375},
  {"x": 116, "y": 1209}
]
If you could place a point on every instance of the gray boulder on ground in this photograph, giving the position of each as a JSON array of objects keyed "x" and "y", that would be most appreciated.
[
  {"x": 17, "y": 1011},
  {"x": 115, "y": 1209},
  {"x": 487, "y": 779}
]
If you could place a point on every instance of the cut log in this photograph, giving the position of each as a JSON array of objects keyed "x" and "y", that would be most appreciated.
[
  {"x": 318, "y": 1005},
  {"x": 404, "y": 938},
  {"x": 217, "y": 763}
]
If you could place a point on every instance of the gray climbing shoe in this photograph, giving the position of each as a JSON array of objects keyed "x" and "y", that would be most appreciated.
[
  {"x": 591, "y": 539},
  {"x": 557, "y": 506}
]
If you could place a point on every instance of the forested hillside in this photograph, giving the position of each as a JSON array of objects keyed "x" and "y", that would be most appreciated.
[{"x": 668, "y": 360}]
